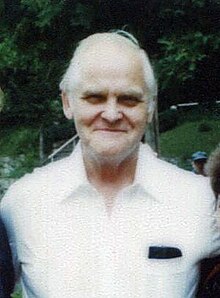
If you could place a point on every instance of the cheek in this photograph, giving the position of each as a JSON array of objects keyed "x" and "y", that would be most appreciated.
[
  {"x": 85, "y": 115},
  {"x": 139, "y": 118}
]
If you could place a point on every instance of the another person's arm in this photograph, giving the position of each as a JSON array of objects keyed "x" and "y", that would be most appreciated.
[{"x": 7, "y": 279}]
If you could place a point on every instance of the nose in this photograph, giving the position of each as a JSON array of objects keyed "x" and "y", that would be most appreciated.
[{"x": 111, "y": 111}]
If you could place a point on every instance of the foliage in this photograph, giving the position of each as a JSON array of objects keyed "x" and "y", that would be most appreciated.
[
  {"x": 183, "y": 54},
  {"x": 20, "y": 149},
  {"x": 17, "y": 294},
  {"x": 204, "y": 126},
  {"x": 167, "y": 120},
  {"x": 38, "y": 37},
  {"x": 56, "y": 133},
  {"x": 188, "y": 59}
]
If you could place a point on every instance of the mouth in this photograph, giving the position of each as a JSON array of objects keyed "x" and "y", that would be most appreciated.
[{"x": 110, "y": 130}]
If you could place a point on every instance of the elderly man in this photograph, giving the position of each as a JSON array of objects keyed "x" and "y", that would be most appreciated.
[{"x": 111, "y": 220}]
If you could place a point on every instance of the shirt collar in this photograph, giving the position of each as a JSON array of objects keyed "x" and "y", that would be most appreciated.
[
  {"x": 76, "y": 181},
  {"x": 145, "y": 171}
]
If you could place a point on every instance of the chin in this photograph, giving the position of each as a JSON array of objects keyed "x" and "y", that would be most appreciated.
[
  {"x": 108, "y": 152},
  {"x": 112, "y": 154}
]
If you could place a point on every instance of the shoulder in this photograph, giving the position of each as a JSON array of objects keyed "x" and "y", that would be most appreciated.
[
  {"x": 42, "y": 176},
  {"x": 175, "y": 183},
  {"x": 36, "y": 186},
  {"x": 180, "y": 176},
  {"x": 186, "y": 182}
]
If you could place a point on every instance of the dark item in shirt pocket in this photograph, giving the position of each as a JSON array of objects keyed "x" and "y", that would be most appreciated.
[{"x": 164, "y": 252}]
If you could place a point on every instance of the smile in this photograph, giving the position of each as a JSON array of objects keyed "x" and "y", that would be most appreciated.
[{"x": 110, "y": 130}]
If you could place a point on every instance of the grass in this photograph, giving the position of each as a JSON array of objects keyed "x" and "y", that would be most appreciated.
[{"x": 180, "y": 142}]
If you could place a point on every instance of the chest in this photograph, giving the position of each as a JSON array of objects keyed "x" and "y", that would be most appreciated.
[{"x": 82, "y": 248}]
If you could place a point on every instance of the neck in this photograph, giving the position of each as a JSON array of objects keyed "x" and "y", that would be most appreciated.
[{"x": 110, "y": 177}]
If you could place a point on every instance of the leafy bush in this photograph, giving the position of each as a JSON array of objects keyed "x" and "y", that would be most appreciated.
[
  {"x": 17, "y": 294},
  {"x": 203, "y": 127},
  {"x": 57, "y": 132},
  {"x": 168, "y": 120},
  {"x": 18, "y": 151}
]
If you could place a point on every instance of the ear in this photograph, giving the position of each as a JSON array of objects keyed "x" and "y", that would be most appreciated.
[
  {"x": 151, "y": 109},
  {"x": 66, "y": 106}
]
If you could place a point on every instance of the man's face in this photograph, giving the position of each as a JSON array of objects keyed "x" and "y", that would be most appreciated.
[
  {"x": 198, "y": 166},
  {"x": 109, "y": 103}
]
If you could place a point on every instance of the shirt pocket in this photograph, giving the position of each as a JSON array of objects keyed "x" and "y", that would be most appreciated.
[{"x": 166, "y": 276}]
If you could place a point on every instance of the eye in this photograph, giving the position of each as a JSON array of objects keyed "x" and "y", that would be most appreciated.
[
  {"x": 94, "y": 98},
  {"x": 128, "y": 100}
]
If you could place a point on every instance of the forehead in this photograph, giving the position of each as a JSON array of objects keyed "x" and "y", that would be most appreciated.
[
  {"x": 104, "y": 43},
  {"x": 103, "y": 61}
]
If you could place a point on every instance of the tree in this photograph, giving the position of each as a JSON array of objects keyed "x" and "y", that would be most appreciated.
[
  {"x": 187, "y": 62},
  {"x": 38, "y": 38}
]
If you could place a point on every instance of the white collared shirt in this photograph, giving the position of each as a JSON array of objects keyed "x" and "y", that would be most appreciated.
[{"x": 65, "y": 245}]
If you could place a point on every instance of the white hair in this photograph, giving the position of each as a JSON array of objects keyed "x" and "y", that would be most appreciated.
[{"x": 72, "y": 73}]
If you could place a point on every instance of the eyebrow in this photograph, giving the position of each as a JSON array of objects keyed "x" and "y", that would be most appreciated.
[
  {"x": 93, "y": 91},
  {"x": 134, "y": 92}
]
